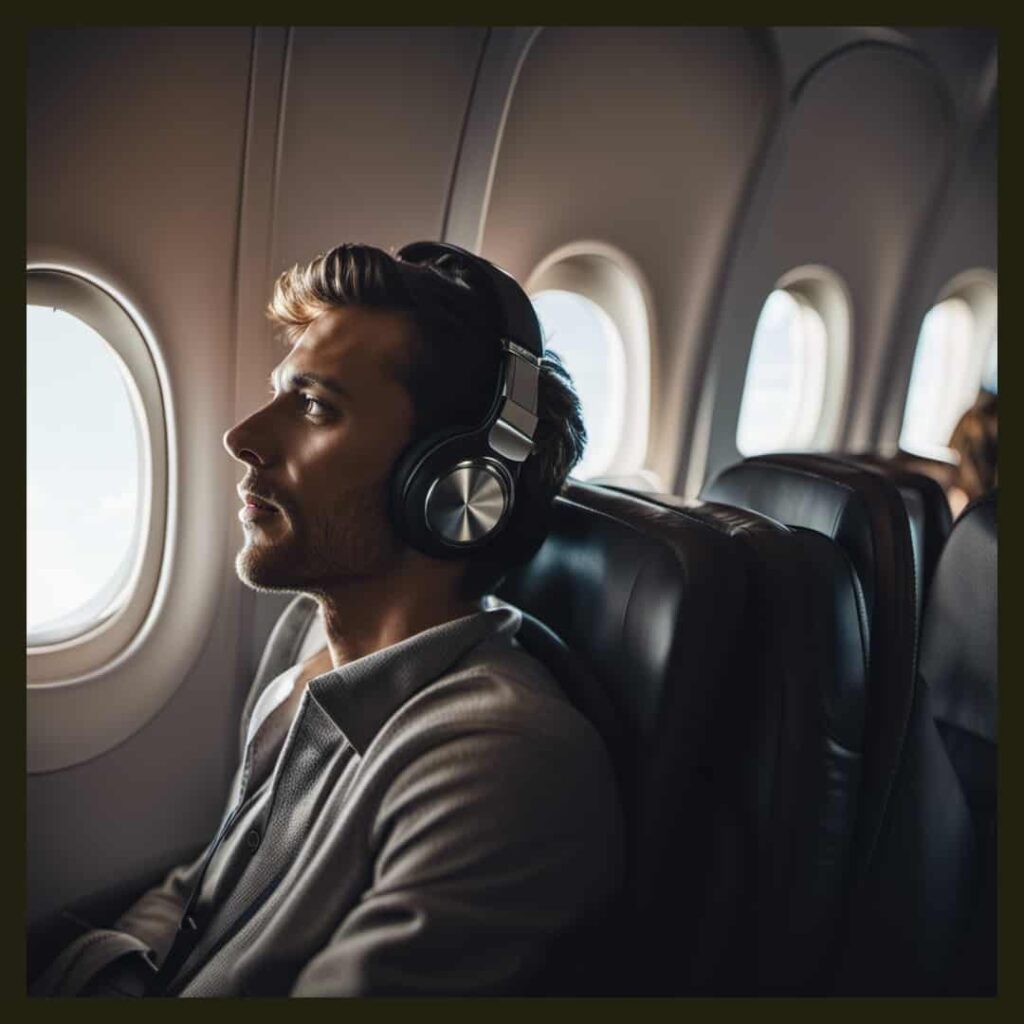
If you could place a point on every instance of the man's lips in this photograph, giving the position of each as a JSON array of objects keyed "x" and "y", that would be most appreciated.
[
  {"x": 257, "y": 500},
  {"x": 255, "y": 507}
]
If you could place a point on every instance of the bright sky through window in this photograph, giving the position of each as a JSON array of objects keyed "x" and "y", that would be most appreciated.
[
  {"x": 785, "y": 384},
  {"x": 591, "y": 349},
  {"x": 937, "y": 397},
  {"x": 83, "y": 463},
  {"x": 990, "y": 375}
]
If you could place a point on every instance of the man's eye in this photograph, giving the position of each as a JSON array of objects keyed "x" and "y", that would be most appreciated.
[{"x": 314, "y": 406}]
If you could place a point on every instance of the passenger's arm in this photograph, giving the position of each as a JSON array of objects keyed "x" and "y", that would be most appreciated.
[
  {"x": 119, "y": 959},
  {"x": 487, "y": 848},
  {"x": 142, "y": 936},
  {"x": 137, "y": 941}
]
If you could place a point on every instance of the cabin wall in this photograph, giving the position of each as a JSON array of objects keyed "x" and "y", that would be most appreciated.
[
  {"x": 963, "y": 237},
  {"x": 587, "y": 156},
  {"x": 187, "y": 167},
  {"x": 857, "y": 168}
]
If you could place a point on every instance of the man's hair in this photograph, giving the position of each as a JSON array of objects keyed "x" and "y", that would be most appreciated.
[{"x": 451, "y": 374}]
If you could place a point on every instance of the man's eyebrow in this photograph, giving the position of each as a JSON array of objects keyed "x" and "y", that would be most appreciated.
[{"x": 301, "y": 380}]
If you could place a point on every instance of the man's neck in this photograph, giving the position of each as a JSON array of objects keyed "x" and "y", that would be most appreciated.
[{"x": 364, "y": 616}]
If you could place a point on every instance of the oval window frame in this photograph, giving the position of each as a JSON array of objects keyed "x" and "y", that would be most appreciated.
[
  {"x": 823, "y": 291},
  {"x": 68, "y": 661},
  {"x": 978, "y": 288},
  {"x": 615, "y": 378},
  {"x": 612, "y": 281}
]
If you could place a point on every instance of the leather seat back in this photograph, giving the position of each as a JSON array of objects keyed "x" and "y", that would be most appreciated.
[
  {"x": 927, "y": 510},
  {"x": 918, "y": 859},
  {"x": 864, "y": 514},
  {"x": 958, "y": 662},
  {"x": 959, "y": 641},
  {"x": 651, "y": 602},
  {"x": 798, "y": 763}
]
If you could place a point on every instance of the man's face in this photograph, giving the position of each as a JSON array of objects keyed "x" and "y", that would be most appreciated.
[{"x": 320, "y": 455}]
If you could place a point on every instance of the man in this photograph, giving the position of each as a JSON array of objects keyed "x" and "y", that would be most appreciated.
[{"x": 419, "y": 809}]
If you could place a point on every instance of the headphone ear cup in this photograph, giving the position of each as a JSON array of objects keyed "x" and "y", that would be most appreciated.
[{"x": 449, "y": 458}]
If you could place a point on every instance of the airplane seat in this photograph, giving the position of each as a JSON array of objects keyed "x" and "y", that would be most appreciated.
[
  {"x": 914, "y": 854},
  {"x": 958, "y": 663},
  {"x": 805, "y": 635},
  {"x": 864, "y": 514},
  {"x": 651, "y": 603},
  {"x": 927, "y": 510}
]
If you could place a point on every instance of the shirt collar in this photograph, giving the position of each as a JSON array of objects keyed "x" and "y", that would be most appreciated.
[{"x": 363, "y": 694}]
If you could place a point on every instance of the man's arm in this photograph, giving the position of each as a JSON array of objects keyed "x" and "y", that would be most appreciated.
[
  {"x": 488, "y": 848},
  {"x": 119, "y": 959}
]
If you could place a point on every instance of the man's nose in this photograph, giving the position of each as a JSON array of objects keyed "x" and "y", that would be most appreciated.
[{"x": 242, "y": 445}]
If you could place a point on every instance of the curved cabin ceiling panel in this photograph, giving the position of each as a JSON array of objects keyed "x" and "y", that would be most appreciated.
[
  {"x": 644, "y": 139},
  {"x": 867, "y": 147},
  {"x": 370, "y": 134},
  {"x": 851, "y": 186}
]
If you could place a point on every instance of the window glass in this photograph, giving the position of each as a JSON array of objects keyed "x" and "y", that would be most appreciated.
[
  {"x": 937, "y": 396},
  {"x": 84, "y": 462},
  {"x": 591, "y": 348},
  {"x": 784, "y": 392},
  {"x": 990, "y": 375}
]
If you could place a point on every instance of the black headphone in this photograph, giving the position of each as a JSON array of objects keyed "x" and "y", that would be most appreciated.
[{"x": 453, "y": 492}]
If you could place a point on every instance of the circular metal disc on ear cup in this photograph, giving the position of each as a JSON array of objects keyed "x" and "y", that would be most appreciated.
[{"x": 469, "y": 502}]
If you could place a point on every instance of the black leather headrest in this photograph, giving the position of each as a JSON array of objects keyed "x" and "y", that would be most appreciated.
[
  {"x": 927, "y": 510},
  {"x": 796, "y": 491},
  {"x": 643, "y": 596},
  {"x": 959, "y": 637}
]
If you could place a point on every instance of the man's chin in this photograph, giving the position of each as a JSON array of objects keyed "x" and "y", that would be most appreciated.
[{"x": 258, "y": 572}]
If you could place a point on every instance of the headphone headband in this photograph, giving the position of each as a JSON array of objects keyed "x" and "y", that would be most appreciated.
[
  {"x": 514, "y": 416},
  {"x": 519, "y": 322}
]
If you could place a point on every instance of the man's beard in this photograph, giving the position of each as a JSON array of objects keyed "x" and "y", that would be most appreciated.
[{"x": 354, "y": 539}]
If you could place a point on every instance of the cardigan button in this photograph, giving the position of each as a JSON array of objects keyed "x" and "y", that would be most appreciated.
[{"x": 252, "y": 840}]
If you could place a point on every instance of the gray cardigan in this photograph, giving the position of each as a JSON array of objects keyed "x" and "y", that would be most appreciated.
[{"x": 430, "y": 819}]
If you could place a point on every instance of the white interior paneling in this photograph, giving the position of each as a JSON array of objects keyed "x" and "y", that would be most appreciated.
[
  {"x": 154, "y": 213},
  {"x": 853, "y": 176},
  {"x": 965, "y": 238},
  {"x": 372, "y": 120},
  {"x": 603, "y": 141},
  {"x": 173, "y": 220}
]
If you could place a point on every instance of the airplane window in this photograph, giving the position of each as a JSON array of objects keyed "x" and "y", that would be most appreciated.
[
  {"x": 84, "y": 464},
  {"x": 591, "y": 348},
  {"x": 784, "y": 392},
  {"x": 940, "y": 386},
  {"x": 990, "y": 378}
]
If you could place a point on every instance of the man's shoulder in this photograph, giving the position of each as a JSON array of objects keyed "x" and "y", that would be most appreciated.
[
  {"x": 496, "y": 690},
  {"x": 495, "y": 743}
]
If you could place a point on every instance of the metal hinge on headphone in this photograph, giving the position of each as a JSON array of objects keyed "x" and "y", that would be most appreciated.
[{"x": 512, "y": 433}]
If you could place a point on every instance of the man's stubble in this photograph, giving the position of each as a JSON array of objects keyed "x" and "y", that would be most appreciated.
[{"x": 352, "y": 540}]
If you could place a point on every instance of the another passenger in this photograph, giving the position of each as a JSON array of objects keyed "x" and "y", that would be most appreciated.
[
  {"x": 420, "y": 810},
  {"x": 974, "y": 440}
]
